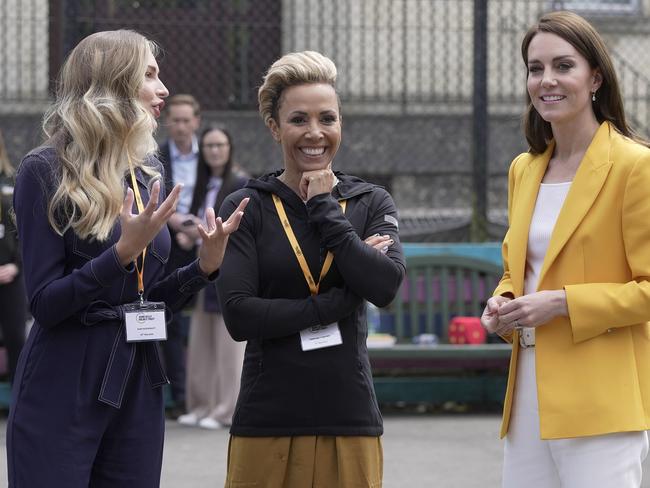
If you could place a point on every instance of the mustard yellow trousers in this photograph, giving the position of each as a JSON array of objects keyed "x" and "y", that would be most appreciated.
[{"x": 305, "y": 462}]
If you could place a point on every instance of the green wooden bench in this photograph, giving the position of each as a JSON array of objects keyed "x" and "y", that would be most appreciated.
[
  {"x": 437, "y": 288},
  {"x": 441, "y": 287}
]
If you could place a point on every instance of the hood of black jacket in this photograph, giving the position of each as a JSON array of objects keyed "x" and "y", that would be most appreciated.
[{"x": 347, "y": 187}]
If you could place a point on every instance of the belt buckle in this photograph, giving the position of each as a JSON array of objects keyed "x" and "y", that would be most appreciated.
[{"x": 522, "y": 342}]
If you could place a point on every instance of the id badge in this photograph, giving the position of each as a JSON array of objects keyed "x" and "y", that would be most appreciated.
[
  {"x": 145, "y": 321},
  {"x": 2, "y": 231},
  {"x": 320, "y": 336}
]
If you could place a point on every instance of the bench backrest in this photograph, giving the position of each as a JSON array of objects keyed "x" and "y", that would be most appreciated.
[{"x": 439, "y": 287}]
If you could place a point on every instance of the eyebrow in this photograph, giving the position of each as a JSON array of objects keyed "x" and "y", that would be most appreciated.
[
  {"x": 556, "y": 58},
  {"x": 302, "y": 112},
  {"x": 152, "y": 68}
]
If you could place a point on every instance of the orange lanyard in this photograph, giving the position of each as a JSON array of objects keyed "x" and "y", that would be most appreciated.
[
  {"x": 313, "y": 286},
  {"x": 140, "y": 205}
]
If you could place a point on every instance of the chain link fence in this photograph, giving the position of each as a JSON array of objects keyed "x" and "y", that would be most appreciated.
[{"x": 432, "y": 90}]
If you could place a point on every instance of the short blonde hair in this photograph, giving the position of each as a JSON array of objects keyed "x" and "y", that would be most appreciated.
[{"x": 290, "y": 70}]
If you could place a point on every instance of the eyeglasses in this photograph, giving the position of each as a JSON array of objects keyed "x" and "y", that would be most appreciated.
[{"x": 216, "y": 145}]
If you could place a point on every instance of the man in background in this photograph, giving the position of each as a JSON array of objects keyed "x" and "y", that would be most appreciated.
[{"x": 179, "y": 155}]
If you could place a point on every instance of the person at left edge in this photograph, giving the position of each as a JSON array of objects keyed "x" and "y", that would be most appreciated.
[
  {"x": 13, "y": 308},
  {"x": 87, "y": 406}
]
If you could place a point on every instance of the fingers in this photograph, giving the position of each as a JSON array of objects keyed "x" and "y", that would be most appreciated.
[
  {"x": 232, "y": 224},
  {"x": 489, "y": 322},
  {"x": 316, "y": 182},
  {"x": 375, "y": 239},
  {"x": 380, "y": 243},
  {"x": 508, "y": 307},
  {"x": 127, "y": 205},
  {"x": 493, "y": 305},
  {"x": 153, "y": 199},
  {"x": 209, "y": 219},
  {"x": 303, "y": 187},
  {"x": 218, "y": 226},
  {"x": 215, "y": 228},
  {"x": 242, "y": 205},
  {"x": 168, "y": 207},
  {"x": 205, "y": 237},
  {"x": 502, "y": 329}
]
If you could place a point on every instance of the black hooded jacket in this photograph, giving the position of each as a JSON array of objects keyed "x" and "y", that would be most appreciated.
[{"x": 266, "y": 301}]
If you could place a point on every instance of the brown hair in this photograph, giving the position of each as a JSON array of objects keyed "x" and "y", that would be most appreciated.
[
  {"x": 588, "y": 42},
  {"x": 185, "y": 99}
]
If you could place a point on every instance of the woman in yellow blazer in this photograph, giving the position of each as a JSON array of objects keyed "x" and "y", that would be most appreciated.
[{"x": 575, "y": 294}]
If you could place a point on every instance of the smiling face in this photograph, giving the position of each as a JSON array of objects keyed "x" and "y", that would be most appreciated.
[
  {"x": 560, "y": 81},
  {"x": 308, "y": 127},
  {"x": 152, "y": 90},
  {"x": 216, "y": 150}
]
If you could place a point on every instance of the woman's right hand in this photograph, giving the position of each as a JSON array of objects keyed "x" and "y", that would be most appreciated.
[
  {"x": 490, "y": 317},
  {"x": 7, "y": 273},
  {"x": 140, "y": 229}
]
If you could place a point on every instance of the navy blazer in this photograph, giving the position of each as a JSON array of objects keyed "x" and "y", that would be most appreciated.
[
  {"x": 164, "y": 156},
  {"x": 77, "y": 288}
]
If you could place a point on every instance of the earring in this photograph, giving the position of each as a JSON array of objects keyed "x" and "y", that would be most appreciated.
[{"x": 593, "y": 96}]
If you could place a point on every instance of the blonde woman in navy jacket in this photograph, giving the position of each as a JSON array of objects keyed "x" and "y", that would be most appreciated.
[{"x": 87, "y": 406}]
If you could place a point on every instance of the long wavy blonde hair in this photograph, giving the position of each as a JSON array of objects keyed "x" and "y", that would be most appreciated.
[{"x": 95, "y": 123}]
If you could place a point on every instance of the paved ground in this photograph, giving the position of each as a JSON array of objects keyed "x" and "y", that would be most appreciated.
[{"x": 420, "y": 451}]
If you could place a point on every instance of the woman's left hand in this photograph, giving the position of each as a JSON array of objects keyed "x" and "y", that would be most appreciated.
[
  {"x": 215, "y": 238},
  {"x": 381, "y": 243},
  {"x": 533, "y": 310}
]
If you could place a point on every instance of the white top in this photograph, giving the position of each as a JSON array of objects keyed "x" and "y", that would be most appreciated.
[
  {"x": 550, "y": 199},
  {"x": 214, "y": 185},
  {"x": 184, "y": 171}
]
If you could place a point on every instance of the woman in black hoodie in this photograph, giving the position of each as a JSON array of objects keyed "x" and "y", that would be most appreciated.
[{"x": 311, "y": 248}]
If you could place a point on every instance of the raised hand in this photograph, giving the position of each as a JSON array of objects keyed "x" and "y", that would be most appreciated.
[
  {"x": 215, "y": 237},
  {"x": 140, "y": 229},
  {"x": 316, "y": 182}
]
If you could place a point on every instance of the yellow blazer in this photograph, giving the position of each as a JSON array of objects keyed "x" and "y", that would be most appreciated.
[{"x": 593, "y": 367}]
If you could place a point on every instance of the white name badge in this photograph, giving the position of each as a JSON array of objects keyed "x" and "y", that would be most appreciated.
[
  {"x": 2, "y": 231},
  {"x": 320, "y": 336},
  {"x": 145, "y": 322}
]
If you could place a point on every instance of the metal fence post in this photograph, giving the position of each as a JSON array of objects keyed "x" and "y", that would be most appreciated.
[{"x": 480, "y": 123}]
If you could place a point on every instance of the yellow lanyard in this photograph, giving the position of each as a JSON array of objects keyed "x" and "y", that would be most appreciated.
[
  {"x": 313, "y": 286},
  {"x": 140, "y": 205}
]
